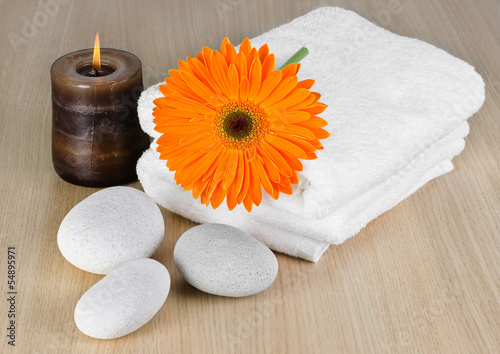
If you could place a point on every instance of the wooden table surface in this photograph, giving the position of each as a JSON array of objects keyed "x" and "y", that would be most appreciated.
[{"x": 423, "y": 277}]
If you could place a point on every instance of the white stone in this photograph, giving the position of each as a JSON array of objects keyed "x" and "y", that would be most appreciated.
[
  {"x": 124, "y": 300},
  {"x": 223, "y": 260},
  {"x": 111, "y": 227}
]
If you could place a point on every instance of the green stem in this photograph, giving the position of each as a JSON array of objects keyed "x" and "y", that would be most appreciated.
[{"x": 294, "y": 59}]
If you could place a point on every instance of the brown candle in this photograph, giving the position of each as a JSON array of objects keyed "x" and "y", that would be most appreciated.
[{"x": 96, "y": 136}]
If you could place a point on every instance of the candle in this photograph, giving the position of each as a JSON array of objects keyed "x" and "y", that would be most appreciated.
[{"x": 96, "y": 136}]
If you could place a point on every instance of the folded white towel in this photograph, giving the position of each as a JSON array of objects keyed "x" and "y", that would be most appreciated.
[
  {"x": 397, "y": 114},
  {"x": 291, "y": 234}
]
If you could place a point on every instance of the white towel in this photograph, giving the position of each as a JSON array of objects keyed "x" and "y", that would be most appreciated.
[{"x": 397, "y": 115}]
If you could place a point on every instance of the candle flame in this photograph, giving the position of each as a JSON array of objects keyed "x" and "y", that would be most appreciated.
[{"x": 96, "y": 61}]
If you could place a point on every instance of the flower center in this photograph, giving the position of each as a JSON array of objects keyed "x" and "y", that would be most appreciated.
[
  {"x": 237, "y": 125},
  {"x": 240, "y": 124}
]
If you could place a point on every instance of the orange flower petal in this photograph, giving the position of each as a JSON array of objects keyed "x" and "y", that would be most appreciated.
[
  {"x": 171, "y": 150},
  {"x": 197, "y": 86},
  {"x": 270, "y": 167},
  {"x": 251, "y": 57},
  {"x": 302, "y": 104},
  {"x": 245, "y": 47},
  {"x": 218, "y": 100},
  {"x": 207, "y": 54},
  {"x": 316, "y": 108},
  {"x": 171, "y": 121},
  {"x": 234, "y": 82},
  {"x": 314, "y": 123},
  {"x": 218, "y": 196},
  {"x": 223, "y": 49},
  {"x": 263, "y": 177},
  {"x": 186, "y": 104},
  {"x": 196, "y": 135},
  {"x": 175, "y": 151},
  {"x": 320, "y": 133},
  {"x": 316, "y": 95},
  {"x": 316, "y": 144},
  {"x": 293, "y": 117},
  {"x": 276, "y": 191},
  {"x": 268, "y": 86},
  {"x": 285, "y": 189},
  {"x": 231, "y": 198},
  {"x": 305, "y": 84},
  {"x": 218, "y": 68},
  {"x": 231, "y": 168},
  {"x": 311, "y": 156},
  {"x": 183, "y": 66},
  {"x": 231, "y": 54},
  {"x": 176, "y": 83},
  {"x": 240, "y": 173},
  {"x": 208, "y": 192},
  {"x": 289, "y": 70},
  {"x": 183, "y": 160},
  {"x": 263, "y": 52},
  {"x": 296, "y": 130},
  {"x": 246, "y": 182},
  {"x": 167, "y": 90},
  {"x": 286, "y": 146},
  {"x": 293, "y": 162},
  {"x": 178, "y": 129},
  {"x": 255, "y": 79},
  {"x": 221, "y": 169},
  {"x": 165, "y": 140},
  {"x": 210, "y": 147},
  {"x": 295, "y": 96},
  {"x": 210, "y": 172},
  {"x": 251, "y": 153},
  {"x": 168, "y": 112},
  {"x": 164, "y": 113},
  {"x": 241, "y": 65},
  {"x": 283, "y": 89},
  {"x": 244, "y": 85},
  {"x": 285, "y": 181},
  {"x": 200, "y": 57},
  {"x": 247, "y": 203},
  {"x": 268, "y": 66},
  {"x": 195, "y": 170},
  {"x": 301, "y": 143},
  {"x": 277, "y": 159},
  {"x": 255, "y": 188},
  {"x": 200, "y": 71},
  {"x": 199, "y": 187}
]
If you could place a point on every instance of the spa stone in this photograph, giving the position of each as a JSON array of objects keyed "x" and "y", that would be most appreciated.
[
  {"x": 111, "y": 227},
  {"x": 124, "y": 300},
  {"x": 223, "y": 260}
]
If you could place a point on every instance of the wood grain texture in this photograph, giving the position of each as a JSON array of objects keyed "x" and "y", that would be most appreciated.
[{"x": 423, "y": 277}]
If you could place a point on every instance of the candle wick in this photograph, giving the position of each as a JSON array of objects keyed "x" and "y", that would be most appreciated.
[{"x": 93, "y": 72}]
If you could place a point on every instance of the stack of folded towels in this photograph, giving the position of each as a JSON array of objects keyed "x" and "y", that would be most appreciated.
[{"x": 397, "y": 114}]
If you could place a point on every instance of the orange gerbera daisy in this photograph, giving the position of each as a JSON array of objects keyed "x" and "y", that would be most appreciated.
[{"x": 232, "y": 125}]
